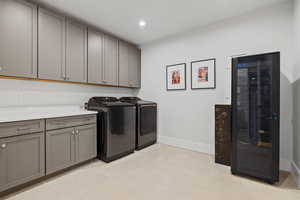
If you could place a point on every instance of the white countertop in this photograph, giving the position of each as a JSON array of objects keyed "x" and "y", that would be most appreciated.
[{"x": 12, "y": 114}]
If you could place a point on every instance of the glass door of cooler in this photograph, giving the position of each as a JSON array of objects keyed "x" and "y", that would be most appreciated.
[{"x": 255, "y": 115}]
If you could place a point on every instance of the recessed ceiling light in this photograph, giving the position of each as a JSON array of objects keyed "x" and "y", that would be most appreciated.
[{"x": 142, "y": 23}]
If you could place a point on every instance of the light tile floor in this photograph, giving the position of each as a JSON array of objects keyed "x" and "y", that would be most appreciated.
[{"x": 158, "y": 172}]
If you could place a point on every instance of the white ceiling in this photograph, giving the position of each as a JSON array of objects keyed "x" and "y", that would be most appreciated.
[{"x": 163, "y": 17}]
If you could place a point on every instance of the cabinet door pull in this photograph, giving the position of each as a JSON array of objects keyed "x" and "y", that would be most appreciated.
[
  {"x": 87, "y": 119},
  {"x": 59, "y": 123},
  {"x": 3, "y": 146},
  {"x": 245, "y": 143},
  {"x": 77, "y": 132},
  {"x": 24, "y": 129}
]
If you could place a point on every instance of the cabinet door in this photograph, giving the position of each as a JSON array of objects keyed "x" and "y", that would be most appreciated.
[
  {"x": 18, "y": 39},
  {"x": 223, "y": 134},
  {"x": 76, "y": 52},
  {"x": 22, "y": 159},
  {"x": 110, "y": 71},
  {"x": 51, "y": 59},
  {"x": 123, "y": 64},
  {"x": 60, "y": 149},
  {"x": 95, "y": 57},
  {"x": 86, "y": 145},
  {"x": 134, "y": 67}
]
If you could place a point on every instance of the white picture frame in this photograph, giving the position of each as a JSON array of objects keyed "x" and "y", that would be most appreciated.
[
  {"x": 203, "y": 74},
  {"x": 176, "y": 77}
]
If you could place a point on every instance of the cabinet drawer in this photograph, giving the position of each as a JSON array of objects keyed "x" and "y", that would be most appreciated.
[
  {"x": 65, "y": 122},
  {"x": 21, "y": 128}
]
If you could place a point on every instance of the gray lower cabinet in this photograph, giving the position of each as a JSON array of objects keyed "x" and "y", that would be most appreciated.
[
  {"x": 86, "y": 142},
  {"x": 10, "y": 129},
  {"x": 129, "y": 65},
  {"x": 95, "y": 57},
  {"x": 22, "y": 159},
  {"x": 70, "y": 146},
  {"x": 110, "y": 56},
  {"x": 18, "y": 38},
  {"x": 76, "y": 52},
  {"x": 67, "y": 141},
  {"x": 60, "y": 149},
  {"x": 74, "y": 121},
  {"x": 51, "y": 43}
]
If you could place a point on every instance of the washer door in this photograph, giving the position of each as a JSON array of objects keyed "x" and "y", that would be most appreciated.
[
  {"x": 148, "y": 119},
  {"x": 121, "y": 130}
]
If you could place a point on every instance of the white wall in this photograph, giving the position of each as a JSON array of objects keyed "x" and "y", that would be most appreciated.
[
  {"x": 32, "y": 93},
  {"x": 186, "y": 118},
  {"x": 296, "y": 93},
  {"x": 297, "y": 38}
]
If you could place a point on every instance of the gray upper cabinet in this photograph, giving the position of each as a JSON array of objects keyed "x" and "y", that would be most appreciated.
[
  {"x": 51, "y": 59},
  {"x": 134, "y": 67},
  {"x": 60, "y": 149},
  {"x": 62, "y": 48},
  {"x": 95, "y": 57},
  {"x": 123, "y": 64},
  {"x": 38, "y": 43},
  {"x": 76, "y": 52},
  {"x": 22, "y": 159},
  {"x": 110, "y": 56},
  {"x": 129, "y": 65},
  {"x": 18, "y": 39}
]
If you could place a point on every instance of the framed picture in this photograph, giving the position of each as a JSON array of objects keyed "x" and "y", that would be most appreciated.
[
  {"x": 203, "y": 74},
  {"x": 176, "y": 77}
]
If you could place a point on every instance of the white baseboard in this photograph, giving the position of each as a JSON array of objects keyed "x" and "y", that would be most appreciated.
[
  {"x": 285, "y": 164},
  {"x": 295, "y": 173},
  {"x": 186, "y": 144}
]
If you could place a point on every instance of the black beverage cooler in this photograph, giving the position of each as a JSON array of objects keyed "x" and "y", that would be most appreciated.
[{"x": 255, "y": 116}]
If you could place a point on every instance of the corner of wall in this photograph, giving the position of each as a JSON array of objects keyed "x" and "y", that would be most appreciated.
[
  {"x": 296, "y": 173},
  {"x": 186, "y": 144}
]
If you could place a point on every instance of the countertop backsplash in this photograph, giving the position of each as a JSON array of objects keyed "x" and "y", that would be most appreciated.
[{"x": 29, "y": 93}]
